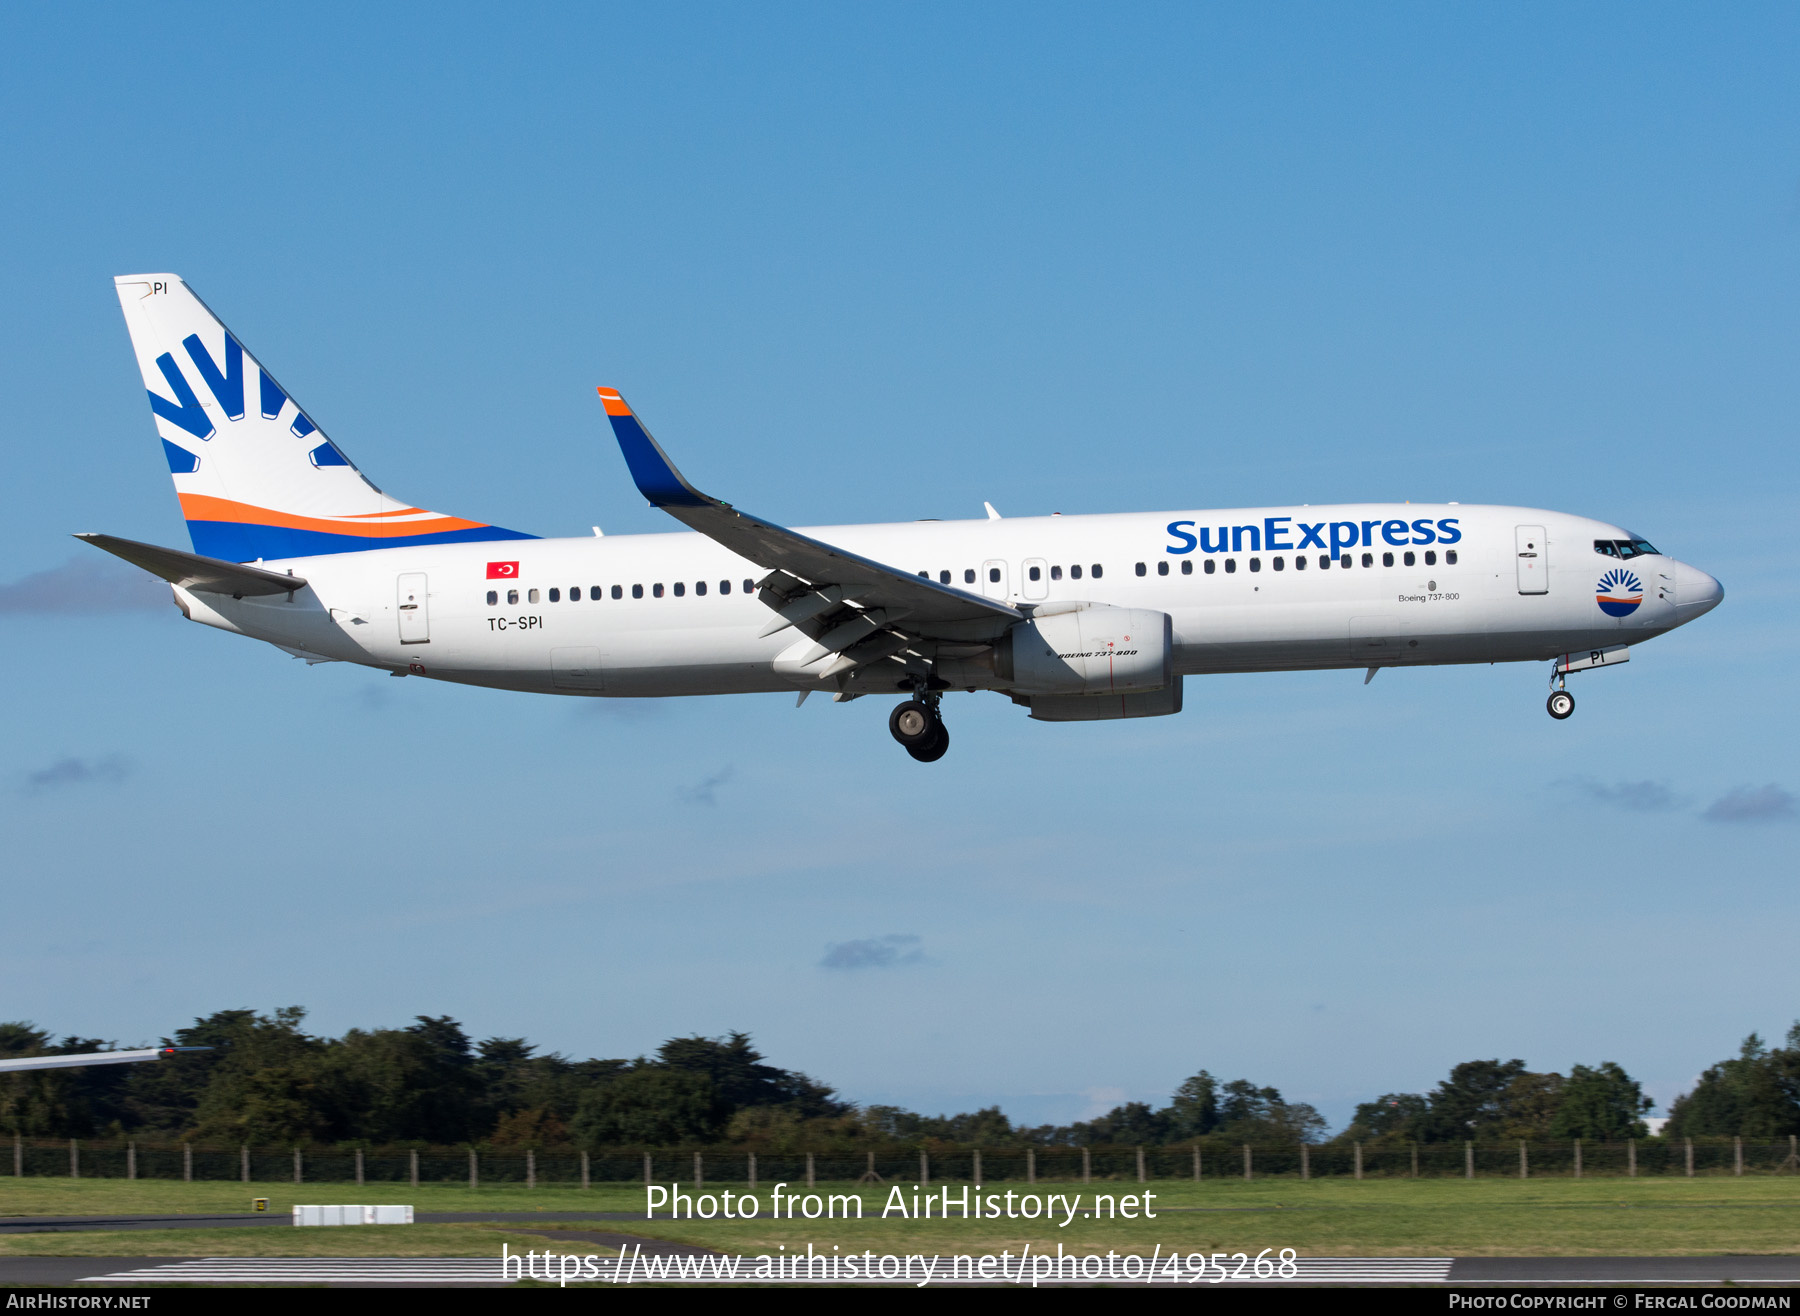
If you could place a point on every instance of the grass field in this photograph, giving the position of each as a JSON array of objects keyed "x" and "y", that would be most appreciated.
[{"x": 1391, "y": 1217}]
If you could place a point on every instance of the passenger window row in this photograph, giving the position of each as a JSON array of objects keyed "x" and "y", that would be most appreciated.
[
  {"x": 1614, "y": 548},
  {"x": 969, "y": 577},
  {"x": 1280, "y": 564},
  {"x": 596, "y": 592}
]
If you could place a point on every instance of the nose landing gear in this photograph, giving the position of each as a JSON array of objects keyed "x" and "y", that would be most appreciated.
[
  {"x": 1561, "y": 703},
  {"x": 918, "y": 727}
]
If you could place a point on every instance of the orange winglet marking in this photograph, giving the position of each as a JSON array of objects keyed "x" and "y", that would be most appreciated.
[{"x": 614, "y": 404}]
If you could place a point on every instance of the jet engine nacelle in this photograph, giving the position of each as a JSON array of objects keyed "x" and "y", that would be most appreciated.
[{"x": 1096, "y": 650}]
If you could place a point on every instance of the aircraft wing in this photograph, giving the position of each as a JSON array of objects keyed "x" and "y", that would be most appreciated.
[
  {"x": 94, "y": 1058},
  {"x": 844, "y": 601},
  {"x": 191, "y": 571}
]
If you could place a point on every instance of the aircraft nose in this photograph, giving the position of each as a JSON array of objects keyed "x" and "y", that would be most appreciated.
[{"x": 1696, "y": 592}]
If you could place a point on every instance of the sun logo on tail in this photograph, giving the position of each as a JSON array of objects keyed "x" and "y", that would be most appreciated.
[{"x": 1619, "y": 593}]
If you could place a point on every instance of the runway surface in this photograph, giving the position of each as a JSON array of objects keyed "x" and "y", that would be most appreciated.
[
  {"x": 1473, "y": 1271},
  {"x": 701, "y": 1266}
]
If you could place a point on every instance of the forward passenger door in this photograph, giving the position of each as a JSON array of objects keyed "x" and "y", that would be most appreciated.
[{"x": 1533, "y": 559}]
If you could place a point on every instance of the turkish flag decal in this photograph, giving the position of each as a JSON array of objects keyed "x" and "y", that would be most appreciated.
[{"x": 503, "y": 571}]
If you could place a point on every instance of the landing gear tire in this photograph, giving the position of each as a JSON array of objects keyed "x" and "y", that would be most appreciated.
[
  {"x": 932, "y": 750},
  {"x": 1561, "y": 704},
  {"x": 914, "y": 723}
]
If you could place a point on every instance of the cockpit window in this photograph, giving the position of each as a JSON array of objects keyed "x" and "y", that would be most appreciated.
[
  {"x": 1607, "y": 547},
  {"x": 1625, "y": 547}
]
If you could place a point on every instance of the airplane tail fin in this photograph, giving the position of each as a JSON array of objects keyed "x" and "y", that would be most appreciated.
[{"x": 257, "y": 479}]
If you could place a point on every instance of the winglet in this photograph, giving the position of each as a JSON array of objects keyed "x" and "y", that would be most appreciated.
[{"x": 655, "y": 475}]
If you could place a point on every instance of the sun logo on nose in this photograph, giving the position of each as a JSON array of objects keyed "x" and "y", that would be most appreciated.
[{"x": 1619, "y": 593}]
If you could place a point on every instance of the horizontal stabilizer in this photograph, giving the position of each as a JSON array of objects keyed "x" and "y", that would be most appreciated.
[{"x": 191, "y": 571}]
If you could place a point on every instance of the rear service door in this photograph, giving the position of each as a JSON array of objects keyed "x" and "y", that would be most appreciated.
[
  {"x": 1374, "y": 638},
  {"x": 415, "y": 612},
  {"x": 1533, "y": 559},
  {"x": 576, "y": 668}
]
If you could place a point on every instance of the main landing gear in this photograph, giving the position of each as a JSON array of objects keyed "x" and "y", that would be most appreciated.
[{"x": 919, "y": 728}]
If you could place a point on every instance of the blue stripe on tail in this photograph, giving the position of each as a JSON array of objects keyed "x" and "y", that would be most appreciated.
[{"x": 237, "y": 541}]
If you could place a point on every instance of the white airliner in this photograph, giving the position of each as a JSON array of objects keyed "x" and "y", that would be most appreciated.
[{"x": 1076, "y": 618}]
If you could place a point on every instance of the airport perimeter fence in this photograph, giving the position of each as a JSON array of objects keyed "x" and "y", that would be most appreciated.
[{"x": 1209, "y": 1159}]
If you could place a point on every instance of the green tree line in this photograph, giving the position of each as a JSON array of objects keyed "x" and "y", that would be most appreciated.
[{"x": 267, "y": 1080}]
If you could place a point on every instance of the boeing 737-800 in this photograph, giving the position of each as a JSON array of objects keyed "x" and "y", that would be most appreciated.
[{"x": 1075, "y": 618}]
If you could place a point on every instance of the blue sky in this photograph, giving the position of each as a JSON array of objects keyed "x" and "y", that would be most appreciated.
[{"x": 884, "y": 262}]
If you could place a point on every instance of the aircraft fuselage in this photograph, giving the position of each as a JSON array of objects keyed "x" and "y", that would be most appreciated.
[{"x": 676, "y": 614}]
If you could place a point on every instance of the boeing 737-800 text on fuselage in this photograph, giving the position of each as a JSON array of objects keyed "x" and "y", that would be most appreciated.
[{"x": 1077, "y": 618}]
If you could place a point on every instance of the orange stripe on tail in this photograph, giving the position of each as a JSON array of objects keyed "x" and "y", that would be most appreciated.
[{"x": 204, "y": 507}]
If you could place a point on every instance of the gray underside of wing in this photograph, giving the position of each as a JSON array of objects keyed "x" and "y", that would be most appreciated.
[
  {"x": 928, "y": 607},
  {"x": 852, "y": 615}
]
